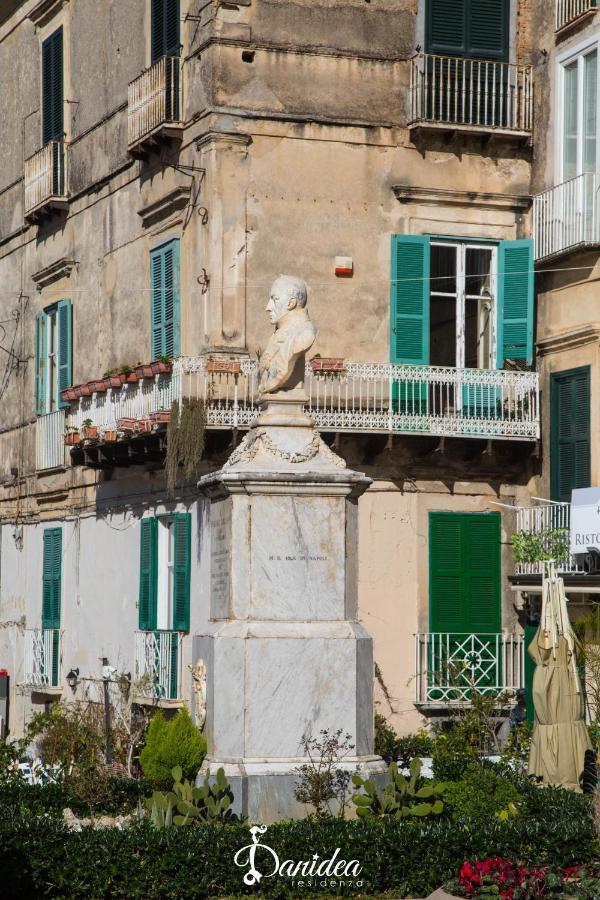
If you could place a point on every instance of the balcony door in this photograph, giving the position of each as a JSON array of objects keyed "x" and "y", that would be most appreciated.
[
  {"x": 579, "y": 146},
  {"x": 464, "y": 603}
]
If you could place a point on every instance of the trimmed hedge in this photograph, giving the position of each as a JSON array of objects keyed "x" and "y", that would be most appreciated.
[
  {"x": 37, "y": 799},
  {"x": 39, "y": 857}
]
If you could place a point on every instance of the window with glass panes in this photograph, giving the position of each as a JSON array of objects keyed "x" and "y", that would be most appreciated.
[{"x": 579, "y": 136}]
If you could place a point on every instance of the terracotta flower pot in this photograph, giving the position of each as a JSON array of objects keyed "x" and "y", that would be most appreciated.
[
  {"x": 162, "y": 416},
  {"x": 144, "y": 371},
  {"x": 109, "y": 436},
  {"x": 72, "y": 438},
  {"x": 126, "y": 424},
  {"x": 131, "y": 377},
  {"x": 144, "y": 426},
  {"x": 117, "y": 380},
  {"x": 160, "y": 368},
  {"x": 327, "y": 364},
  {"x": 96, "y": 386},
  {"x": 85, "y": 390},
  {"x": 90, "y": 432},
  {"x": 68, "y": 394}
]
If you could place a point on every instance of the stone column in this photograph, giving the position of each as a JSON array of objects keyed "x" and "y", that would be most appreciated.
[{"x": 284, "y": 654}]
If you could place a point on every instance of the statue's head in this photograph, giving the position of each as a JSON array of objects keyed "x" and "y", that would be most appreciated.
[{"x": 287, "y": 293}]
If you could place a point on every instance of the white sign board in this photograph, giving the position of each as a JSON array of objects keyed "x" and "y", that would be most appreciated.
[{"x": 585, "y": 520}]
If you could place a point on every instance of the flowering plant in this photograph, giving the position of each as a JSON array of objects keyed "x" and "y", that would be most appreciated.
[{"x": 504, "y": 878}]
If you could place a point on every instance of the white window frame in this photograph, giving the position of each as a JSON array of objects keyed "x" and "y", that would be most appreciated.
[
  {"x": 461, "y": 294},
  {"x": 564, "y": 59},
  {"x": 164, "y": 572}
]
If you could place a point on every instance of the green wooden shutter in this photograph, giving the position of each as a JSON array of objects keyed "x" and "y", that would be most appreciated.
[
  {"x": 40, "y": 363},
  {"x": 182, "y": 535},
  {"x": 570, "y": 439},
  {"x": 148, "y": 574},
  {"x": 446, "y": 27},
  {"x": 515, "y": 301},
  {"x": 166, "y": 305},
  {"x": 165, "y": 40},
  {"x": 488, "y": 29},
  {"x": 410, "y": 300},
  {"x": 65, "y": 348},
  {"x": 474, "y": 29},
  {"x": 51, "y": 577},
  {"x": 464, "y": 572},
  {"x": 52, "y": 88}
]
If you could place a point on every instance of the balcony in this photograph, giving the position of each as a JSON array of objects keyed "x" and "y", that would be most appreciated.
[
  {"x": 450, "y": 93},
  {"x": 566, "y": 217},
  {"x": 42, "y": 659},
  {"x": 46, "y": 181},
  {"x": 49, "y": 441},
  {"x": 570, "y": 11},
  {"x": 155, "y": 106},
  {"x": 371, "y": 398},
  {"x": 544, "y": 534},
  {"x": 157, "y": 666},
  {"x": 450, "y": 666}
]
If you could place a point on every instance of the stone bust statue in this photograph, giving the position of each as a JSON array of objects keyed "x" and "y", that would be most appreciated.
[{"x": 281, "y": 365}]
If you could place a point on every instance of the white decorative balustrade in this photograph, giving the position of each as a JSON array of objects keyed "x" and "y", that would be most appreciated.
[
  {"x": 566, "y": 216},
  {"x": 449, "y": 666},
  {"x": 363, "y": 397},
  {"x": 568, "y": 11},
  {"x": 154, "y": 100},
  {"x": 548, "y": 525},
  {"x": 42, "y": 658},
  {"x": 471, "y": 93},
  {"x": 158, "y": 665},
  {"x": 49, "y": 440},
  {"x": 46, "y": 178}
]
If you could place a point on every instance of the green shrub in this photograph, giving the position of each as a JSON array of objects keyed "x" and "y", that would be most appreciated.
[
  {"x": 393, "y": 748},
  {"x": 122, "y": 796},
  {"x": 480, "y": 794},
  {"x": 40, "y": 858},
  {"x": 172, "y": 743}
]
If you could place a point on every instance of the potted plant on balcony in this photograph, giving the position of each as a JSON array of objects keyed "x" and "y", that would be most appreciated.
[
  {"x": 72, "y": 436},
  {"x": 84, "y": 389},
  {"x": 126, "y": 424},
  {"x": 90, "y": 432},
  {"x": 160, "y": 417},
  {"x": 130, "y": 377},
  {"x": 144, "y": 370},
  {"x": 143, "y": 426},
  {"x": 96, "y": 385},
  {"x": 113, "y": 378},
  {"x": 109, "y": 436},
  {"x": 161, "y": 366}
]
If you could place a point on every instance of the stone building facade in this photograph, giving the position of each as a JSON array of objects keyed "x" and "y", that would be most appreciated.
[{"x": 163, "y": 161}]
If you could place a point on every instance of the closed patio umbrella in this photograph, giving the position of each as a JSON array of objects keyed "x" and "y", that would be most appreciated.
[{"x": 560, "y": 737}]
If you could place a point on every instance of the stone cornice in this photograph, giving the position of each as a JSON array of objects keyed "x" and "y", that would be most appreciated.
[
  {"x": 60, "y": 268},
  {"x": 224, "y": 138},
  {"x": 569, "y": 340},
  {"x": 166, "y": 205},
  {"x": 43, "y": 11},
  {"x": 407, "y": 193}
]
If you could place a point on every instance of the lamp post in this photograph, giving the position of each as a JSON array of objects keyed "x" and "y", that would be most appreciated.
[{"x": 107, "y": 673}]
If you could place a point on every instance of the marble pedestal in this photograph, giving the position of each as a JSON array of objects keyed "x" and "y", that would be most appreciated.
[{"x": 284, "y": 655}]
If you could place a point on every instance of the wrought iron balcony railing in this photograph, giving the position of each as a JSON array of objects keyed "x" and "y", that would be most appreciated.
[
  {"x": 46, "y": 180},
  {"x": 450, "y": 666},
  {"x": 42, "y": 658},
  {"x": 471, "y": 94},
  {"x": 567, "y": 216},
  {"x": 360, "y": 397},
  {"x": 158, "y": 665},
  {"x": 155, "y": 103},
  {"x": 568, "y": 11},
  {"x": 545, "y": 529}
]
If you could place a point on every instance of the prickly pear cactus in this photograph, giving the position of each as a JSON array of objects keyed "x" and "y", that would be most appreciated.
[{"x": 400, "y": 797}]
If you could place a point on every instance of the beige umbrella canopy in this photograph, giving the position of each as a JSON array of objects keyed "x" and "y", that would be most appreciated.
[{"x": 560, "y": 737}]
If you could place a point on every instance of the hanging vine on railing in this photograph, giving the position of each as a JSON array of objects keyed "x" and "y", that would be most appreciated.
[
  {"x": 185, "y": 439},
  {"x": 550, "y": 544}
]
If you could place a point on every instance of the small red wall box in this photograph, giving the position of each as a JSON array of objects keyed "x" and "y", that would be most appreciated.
[
  {"x": 3, "y": 672},
  {"x": 344, "y": 266}
]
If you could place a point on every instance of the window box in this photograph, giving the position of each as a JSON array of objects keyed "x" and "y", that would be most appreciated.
[
  {"x": 144, "y": 426},
  {"x": 109, "y": 436},
  {"x": 161, "y": 417},
  {"x": 160, "y": 367},
  {"x": 97, "y": 385},
  {"x": 126, "y": 424},
  {"x": 144, "y": 371},
  {"x": 90, "y": 432},
  {"x": 327, "y": 364},
  {"x": 115, "y": 381},
  {"x": 84, "y": 390},
  {"x": 69, "y": 394},
  {"x": 232, "y": 366}
]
